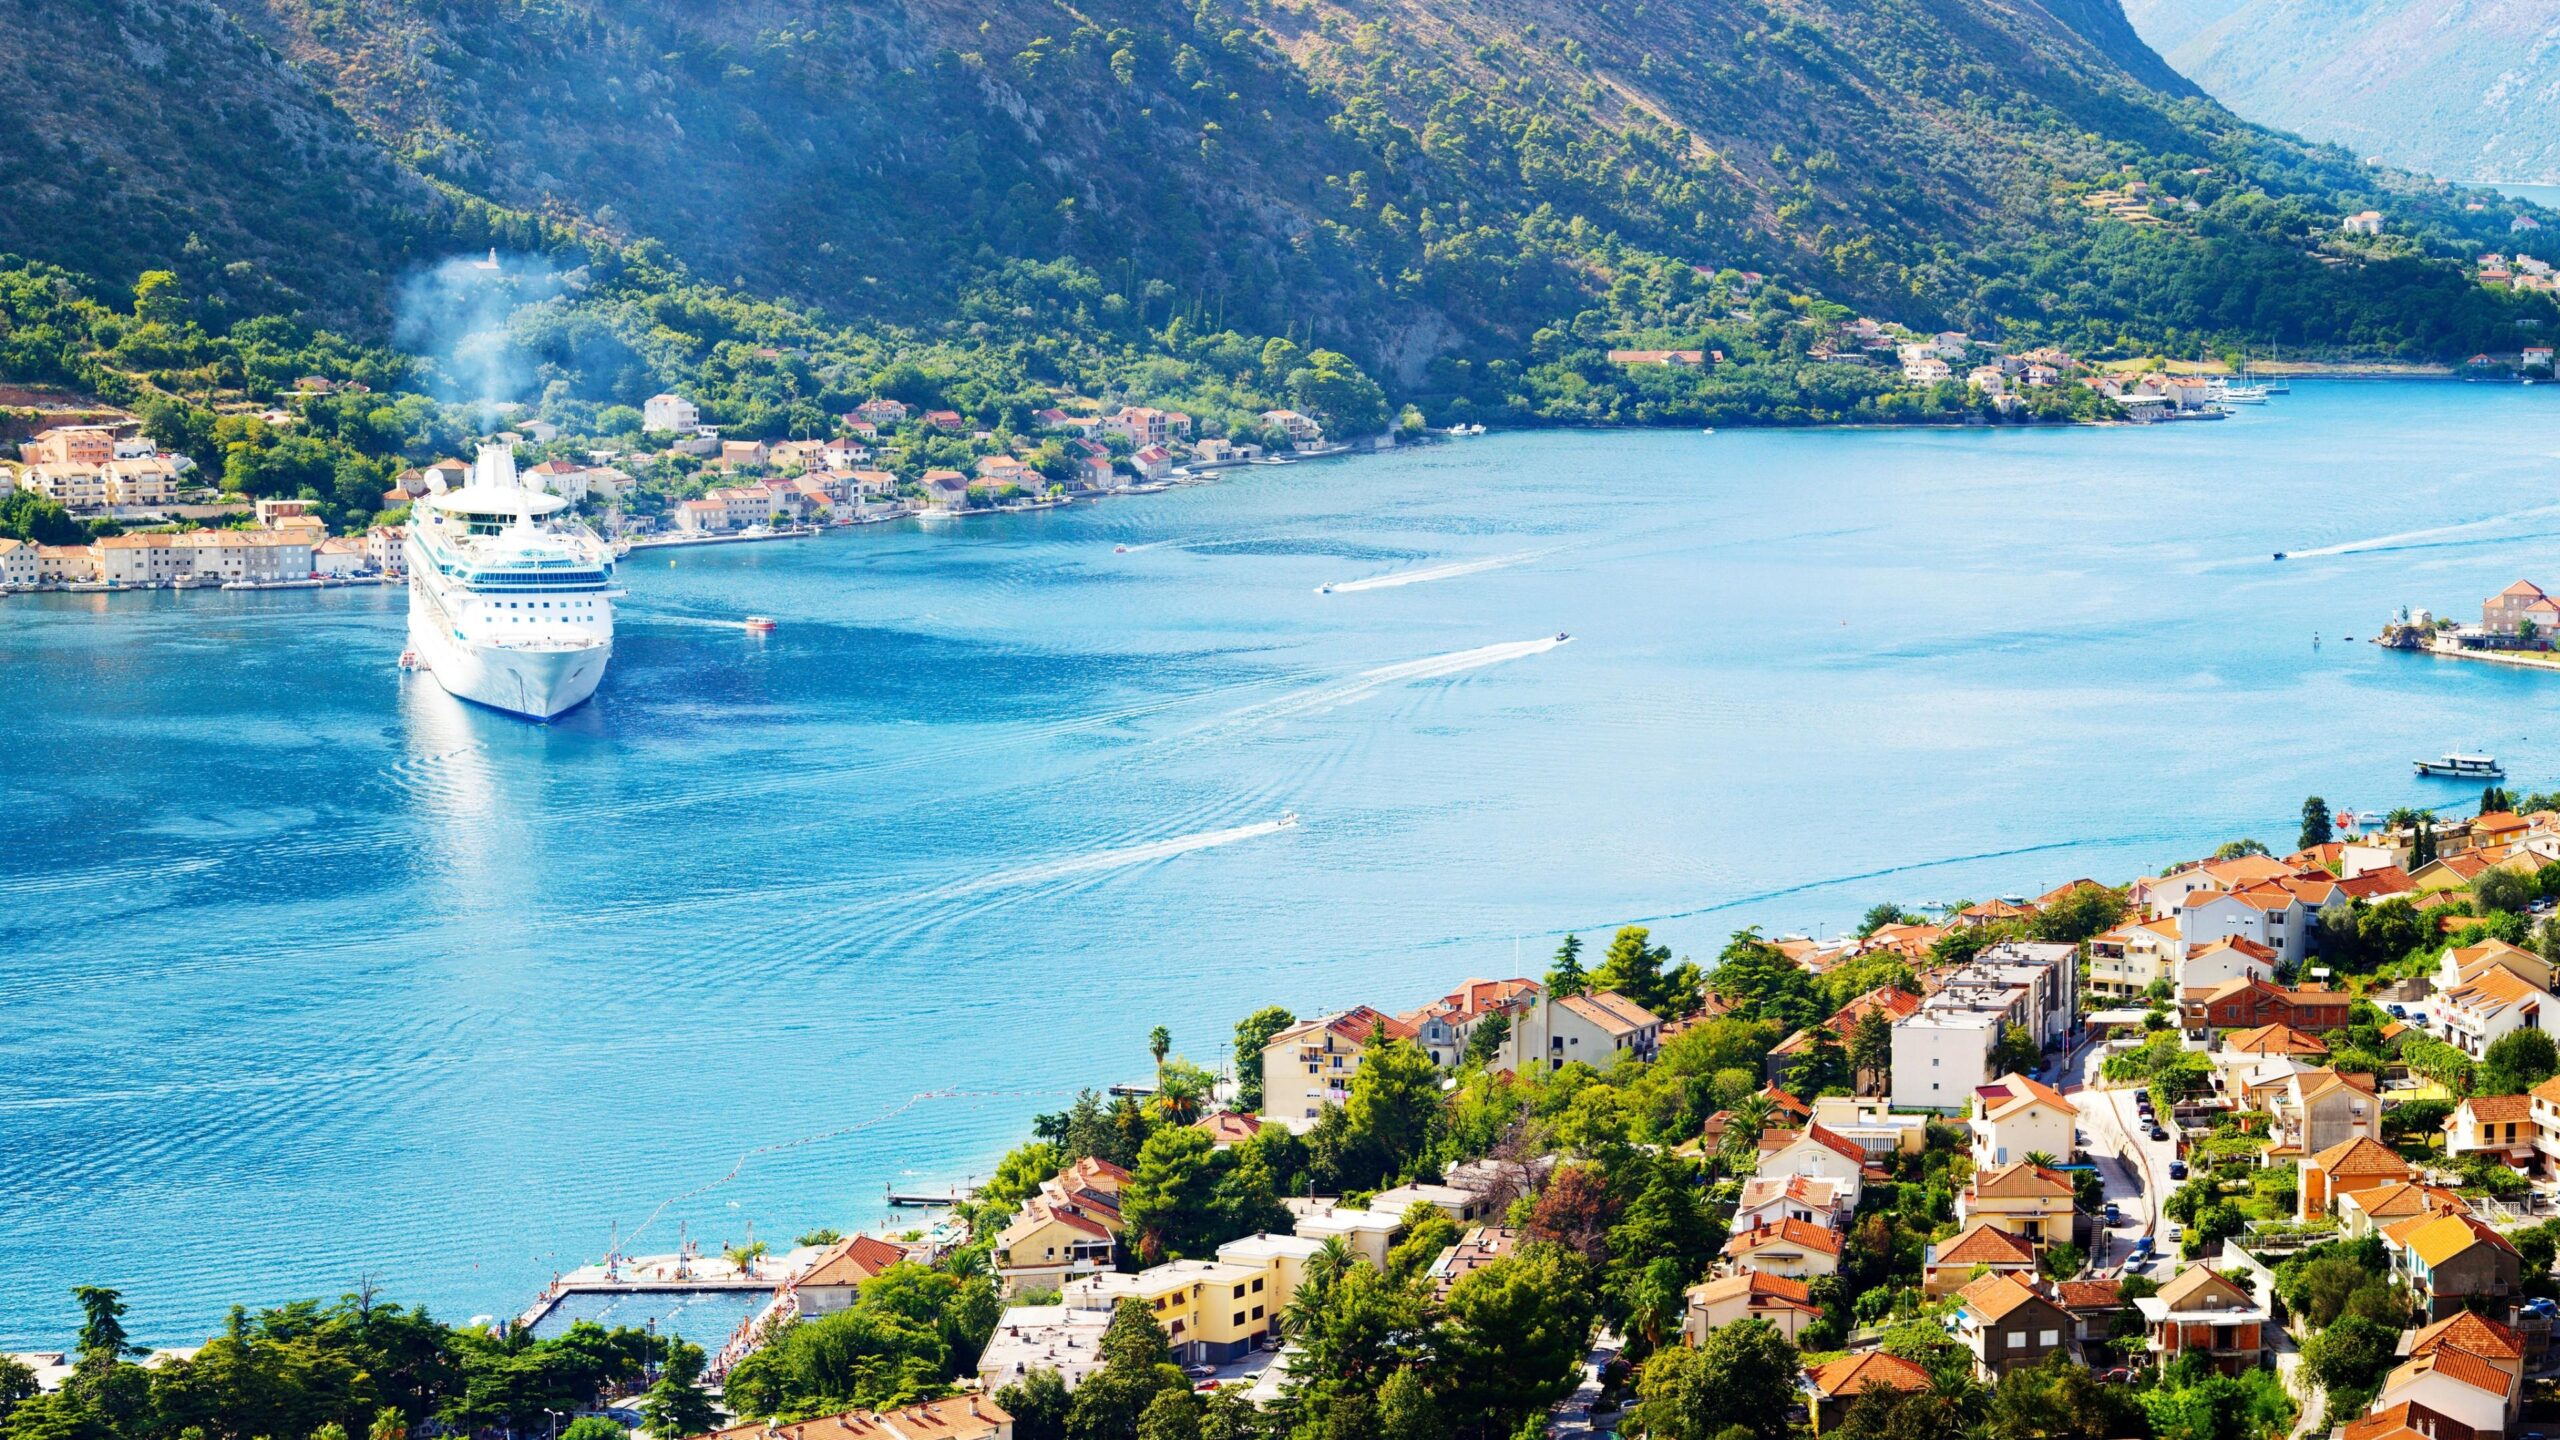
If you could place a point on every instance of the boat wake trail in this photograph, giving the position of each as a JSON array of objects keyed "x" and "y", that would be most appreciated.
[
  {"x": 1112, "y": 859},
  {"x": 1429, "y": 573},
  {"x": 2407, "y": 539},
  {"x": 1369, "y": 682}
]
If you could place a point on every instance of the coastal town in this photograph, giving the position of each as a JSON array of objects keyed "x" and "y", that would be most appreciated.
[
  {"x": 149, "y": 516},
  {"x": 2278, "y": 1134},
  {"x": 114, "y": 477}
]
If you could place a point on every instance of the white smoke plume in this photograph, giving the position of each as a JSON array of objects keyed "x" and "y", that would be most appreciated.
[{"x": 458, "y": 316}]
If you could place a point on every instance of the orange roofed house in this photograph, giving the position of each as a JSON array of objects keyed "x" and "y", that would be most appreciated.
[
  {"x": 829, "y": 1284},
  {"x": 2362, "y": 1163},
  {"x": 1750, "y": 1295},
  {"x": 1842, "y": 1381},
  {"x": 1309, "y": 1065},
  {"x": 1071, "y": 1228}
]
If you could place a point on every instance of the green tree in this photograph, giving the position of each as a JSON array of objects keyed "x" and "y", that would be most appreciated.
[
  {"x": 2235, "y": 849},
  {"x": 585, "y": 1427},
  {"x": 1514, "y": 1337},
  {"x": 1038, "y": 1403},
  {"x": 677, "y": 1404},
  {"x": 2316, "y": 829},
  {"x": 2516, "y": 1062},
  {"x": 2504, "y": 891},
  {"x": 1871, "y": 1051},
  {"x": 1171, "y": 1415},
  {"x": 102, "y": 1335},
  {"x": 1159, "y": 1041},
  {"x": 1167, "y": 1205},
  {"x": 1136, "y": 1368},
  {"x": 2349, "y": 1354},
  {"x": 1633, "y": 967},
  {"x": 2016, "y": 1053},
  {"x": 1880, "y": 915},
  {"x": 1253, "y": 1035},
  {"x": 2059, "y": 1400},
  {"x": 1761, "y": 983},
  {"x": 1394, "y": 1107},
  {"x": 1485, "y": 1040},
  {"x": 1406, "y": 1409},
  {"x": 1332, "y": 388},
  {"x": 1565, "y": 978},
  {"x": 1743, "y": 1377}
]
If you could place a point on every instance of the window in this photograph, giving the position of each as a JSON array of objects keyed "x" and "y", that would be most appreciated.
[
  {"x": 1238, "y": 1322},
  {"x": 1257, "y": 1312},
  {"x": 2049, "y": 1337},
  {"x": 1257, "y": 1287},
  {"x": 1239, "y": 1292}
]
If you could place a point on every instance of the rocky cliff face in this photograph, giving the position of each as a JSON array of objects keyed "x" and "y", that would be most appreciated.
[{"x": 2462, "y": 89}]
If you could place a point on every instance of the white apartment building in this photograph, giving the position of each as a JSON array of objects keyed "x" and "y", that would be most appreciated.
[
  {"x": 2134, "y": 956},
  {"x": 2266, "y": 913},
  {"x": 1940, "y": 1053},
  {"x": 670, "y": 412}
]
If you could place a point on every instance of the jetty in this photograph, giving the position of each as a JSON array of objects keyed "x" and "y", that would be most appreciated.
[{"x": 929, "y": 1199}]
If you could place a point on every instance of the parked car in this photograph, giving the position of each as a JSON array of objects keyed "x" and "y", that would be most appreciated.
[
  {"x": 2114, "y": 1213},
  {"x": 2158, "y": 1135},
  {"x": 2396, "y": 1012},
  {"x": 2177, "y": 1169}
]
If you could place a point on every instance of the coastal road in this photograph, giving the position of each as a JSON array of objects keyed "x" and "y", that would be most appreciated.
[{"x": 2132, "y": 1168}]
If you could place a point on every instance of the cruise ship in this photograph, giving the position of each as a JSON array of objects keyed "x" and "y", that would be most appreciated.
[{"x": 510, "y": 602}]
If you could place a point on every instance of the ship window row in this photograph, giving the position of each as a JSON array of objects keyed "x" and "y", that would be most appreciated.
[
  {"x": 535, "y": 582},
  {"x": 542, "y": 604}
]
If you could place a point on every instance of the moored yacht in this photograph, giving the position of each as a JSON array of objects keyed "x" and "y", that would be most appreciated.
[{"x": 510, "y": 601}]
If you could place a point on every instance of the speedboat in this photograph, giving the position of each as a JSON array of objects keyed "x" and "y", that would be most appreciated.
[
  {"x": 1119, "y": 549},
  {"x": 2279, "y": 554},
  {"x": 1562, "y": 637},
  {"x": 1288, "y": 819},
  {"x": 1326, "y": 589},
  {"x": 759, "y": 624}
]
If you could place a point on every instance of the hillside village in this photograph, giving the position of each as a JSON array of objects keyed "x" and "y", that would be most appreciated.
[{"x": 2274, "y": 1136}]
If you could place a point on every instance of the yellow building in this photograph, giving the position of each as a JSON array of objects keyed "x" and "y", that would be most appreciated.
[
  {"x": 2019, "y": 1199},
  {"x": 1309, "y": 1065},
  {"x": 1211, "y": 1310}
]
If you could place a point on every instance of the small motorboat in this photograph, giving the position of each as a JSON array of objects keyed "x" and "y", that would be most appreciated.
[
  {"x": 1288, "y": 819},
  {"x": 1119, "y": 549},
  {"x": 1710, "y": 430},
  {"x": 1562, "y": 637},
  {"x": 2279, "y": 554},
  {"x": 759, "y": 624},
  {"x": 1326, "y": 589}
]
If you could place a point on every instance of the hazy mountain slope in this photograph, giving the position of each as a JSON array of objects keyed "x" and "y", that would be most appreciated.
[
  {"x": 1286, "y": 165},
  {"x": 1405, "y": 180},
  {"x": 2464, "y": 89},
  {"x": 127, "y": 128}
]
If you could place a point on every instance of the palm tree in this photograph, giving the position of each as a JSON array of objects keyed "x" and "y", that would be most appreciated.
[
  {"x": 1181, "y": 1090},
  {"x": 1159, "y": 1041},
  {"x": 2041, "y": 1159},
  {"x": 745, "y": 1256},
  {"x": 1332, "y": 1260}
]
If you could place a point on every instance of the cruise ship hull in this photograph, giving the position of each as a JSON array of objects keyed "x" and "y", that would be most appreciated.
[{"x": 536, "y": 683}]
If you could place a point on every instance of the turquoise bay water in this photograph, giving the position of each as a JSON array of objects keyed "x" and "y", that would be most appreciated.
[{"x": 314, "y": 975}]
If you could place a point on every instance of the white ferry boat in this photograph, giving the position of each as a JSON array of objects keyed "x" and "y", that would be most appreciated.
[
  {"x": 2462, "y": 767},
  {"x": 510, "y": 602}
]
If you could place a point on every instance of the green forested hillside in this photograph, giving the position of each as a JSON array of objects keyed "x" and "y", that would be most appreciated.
[{"x": 1472, "y": 198}]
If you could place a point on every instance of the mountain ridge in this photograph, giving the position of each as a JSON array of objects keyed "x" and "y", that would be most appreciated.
[{"x": 1450, "y": 192}]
